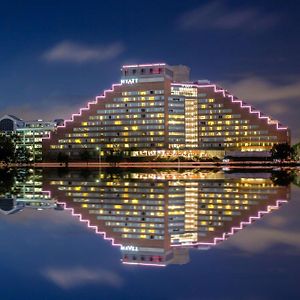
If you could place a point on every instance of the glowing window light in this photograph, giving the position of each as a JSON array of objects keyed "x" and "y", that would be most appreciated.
[
  {"x": 232, "y": 231},
  {"x": 242, "y": 104}
]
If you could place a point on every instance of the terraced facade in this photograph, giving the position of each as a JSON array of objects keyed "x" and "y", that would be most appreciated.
[{"x": 151, "y": 114}]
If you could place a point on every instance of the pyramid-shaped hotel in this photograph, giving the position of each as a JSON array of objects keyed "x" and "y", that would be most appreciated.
[{"x": 156, "y": 111}]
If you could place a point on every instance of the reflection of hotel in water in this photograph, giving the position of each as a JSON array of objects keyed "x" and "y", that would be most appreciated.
[{"x": 156, "y": 217}]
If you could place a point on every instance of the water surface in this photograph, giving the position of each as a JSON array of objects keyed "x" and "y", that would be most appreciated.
[{"x": 89, "y": 234}]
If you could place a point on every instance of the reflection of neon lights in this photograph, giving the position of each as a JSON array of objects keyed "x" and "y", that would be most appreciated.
[
  {"x": 143, "y": 264},
  {"x": 216, "y": 240},
  {"x": 88, "y": 223},
  {"x": 234, "y": 229},
  {"x": 242, "y": 104},
  {"x": 102, "y": 233}
]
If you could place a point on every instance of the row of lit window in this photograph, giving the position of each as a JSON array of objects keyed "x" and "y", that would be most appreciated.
[
  {"x": 184, "y": 91},
  {"x": 114, "y": 133},
  {"x": 156, "y": 103},
  {"x": 128, "y": 110},
  {"x": 135, "y": 224},
  {"x": 105, "y": 141},
  {"x": 124, "y": 207},
  {"x": 226, "y": 127},
  {"x": 99, "y": 130},
  {"x": 219, "y": 212},
  {"x": 126, "y": 116},
  {"x": 226, "y": 122},
  {"x": 141, "y": 98},
  {"x": 138, "y": 230},
  {"x": 140, "y": 121},
  {"x": 142, "y": 236},
  {"x": 157, "y": 216},
  {"x": 145, "y": 92},
  {"x": 214, "y": 111}
]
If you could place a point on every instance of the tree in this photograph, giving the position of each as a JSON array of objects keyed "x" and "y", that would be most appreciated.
[
  {"x": 7, "y": 181},
  {"x": 85, "y": 156},
  {"x": 11, "y": 150},
  {"x": 282, "y": 151},
  {"x": 7, "y": 149},
  {"x": 22, "y": 155},
  {"x": 115, "y": 156},
  {"x": 283, "y": 178},
  {"x": 296, "y": 149},
  {"x": 63, "y": 158}
]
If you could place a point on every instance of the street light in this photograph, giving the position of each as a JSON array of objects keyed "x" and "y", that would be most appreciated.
[
  {"x": 98, "y": 148},
  {"x": 178, "y": 154}
]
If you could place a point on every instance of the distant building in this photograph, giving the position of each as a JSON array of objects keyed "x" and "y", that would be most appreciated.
[
  {"x": 156, "y": 110},
  {"x": 10, "y": 123},
  {"x": 27, "y": 194},
  {"x": 31, "y": 135},
  {"x": 8, "y": 206}
]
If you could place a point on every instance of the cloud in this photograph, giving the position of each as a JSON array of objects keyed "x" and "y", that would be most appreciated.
[
  {"x": 279, "y": 100},
  {"x": 216, "y": 15},
  {"x": 276, "y": 229},
  {"x": 67, "y": 51},
  {"x": 277, "y": 221},
  {"x": 258, "y": 89},
  {"x": 48, "y": 109},
  {"x": 77, "y": 276},
  {"x": 260, "y": 239},
  {"x": 32, "y": 112}
]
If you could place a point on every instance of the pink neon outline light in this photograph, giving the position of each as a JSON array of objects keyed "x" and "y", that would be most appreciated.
[
  {"x": 216, "y": 90},
  {"x": 144, "y": 65},
  {"x": 226, "y": 94},
  {"x": 94, "y": 102},
  {"x": 233, "y": 230},
  {"x": 143, "y": 264},
  {"x": 87, "y": 222}
]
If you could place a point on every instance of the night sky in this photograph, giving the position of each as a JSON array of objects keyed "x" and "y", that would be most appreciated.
[{"x": 56, "y": 55}]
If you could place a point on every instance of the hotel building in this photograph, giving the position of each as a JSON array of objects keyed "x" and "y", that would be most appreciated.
[
  {"x": 155, "y": 217},
  {"x": 155, "y": 110}
]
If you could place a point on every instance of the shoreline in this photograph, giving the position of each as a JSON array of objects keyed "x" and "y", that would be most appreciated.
[{"x": 157, "y": 165}]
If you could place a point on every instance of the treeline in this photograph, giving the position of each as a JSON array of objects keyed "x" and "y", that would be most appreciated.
[{"x": 11, "y": 150}]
